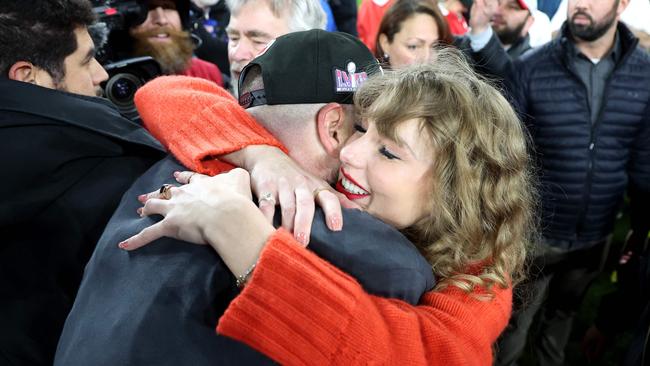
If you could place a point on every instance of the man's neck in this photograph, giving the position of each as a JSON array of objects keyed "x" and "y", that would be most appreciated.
[{"x": 599, "y": 48}]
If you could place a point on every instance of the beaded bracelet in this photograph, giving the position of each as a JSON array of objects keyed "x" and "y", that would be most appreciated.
[{"x": 241, "y": 280}]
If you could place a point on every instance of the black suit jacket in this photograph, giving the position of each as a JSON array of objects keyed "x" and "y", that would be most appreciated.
[
  {"x": 159, "y": 305},
  {"x": 66, "y": 161}
]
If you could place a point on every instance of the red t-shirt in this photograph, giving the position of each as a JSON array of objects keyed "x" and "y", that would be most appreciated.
[
  {"x": 205, "y": 70},
  {"x": 368, "y": 19}
]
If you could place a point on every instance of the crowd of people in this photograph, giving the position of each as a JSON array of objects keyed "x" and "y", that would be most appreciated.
[{"x": 323, "y": 182}]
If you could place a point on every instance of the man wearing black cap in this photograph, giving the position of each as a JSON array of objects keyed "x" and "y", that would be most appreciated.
[
  {"x": 162, "y": 36},
  {"x": 160, "y": 304}
]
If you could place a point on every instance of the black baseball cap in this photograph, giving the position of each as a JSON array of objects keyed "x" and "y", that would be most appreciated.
[{"x": 310, "y": 67}]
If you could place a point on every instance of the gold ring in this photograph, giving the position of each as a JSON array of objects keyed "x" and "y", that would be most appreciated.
[
  {"x": 319, "y": 190},
  {"x": 165, "y": 191}
]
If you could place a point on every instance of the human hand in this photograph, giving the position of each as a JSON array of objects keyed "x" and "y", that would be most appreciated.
[
  {"x": 276, "y": 178},
  {"x": 481, "y": 15},
  {"x": 190, "y": 209},
  {"x": 634, "y": 243},
  {"x": 593, "y": 343}
]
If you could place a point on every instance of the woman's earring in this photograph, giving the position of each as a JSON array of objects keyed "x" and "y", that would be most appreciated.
[{"x": 386, "y": 57}]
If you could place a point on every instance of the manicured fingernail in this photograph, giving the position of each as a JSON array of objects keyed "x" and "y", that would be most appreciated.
[
  {"x": 142, "y": 197},
  {"x": 139, "y": 211},
  {"x": 176, "y": 174},
  {"x": 302, "y": 238},
  {"x": 335, "y": 224},
  {"x": 123, "y": 244}
]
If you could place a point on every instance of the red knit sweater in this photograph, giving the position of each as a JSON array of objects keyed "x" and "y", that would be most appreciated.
[{"x": 297, "y": 308}]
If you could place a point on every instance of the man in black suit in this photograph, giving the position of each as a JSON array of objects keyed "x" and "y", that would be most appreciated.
[{"x": 67, "y": 158}]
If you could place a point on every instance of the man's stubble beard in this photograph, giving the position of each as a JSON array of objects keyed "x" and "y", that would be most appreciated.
[
  {"x": 511, "y": 36},
  {"x": 174, "y": 57},
  {"x": 594, "y": 30}
]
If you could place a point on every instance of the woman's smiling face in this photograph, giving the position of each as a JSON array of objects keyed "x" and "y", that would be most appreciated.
[{"x": 390, "y": 179}]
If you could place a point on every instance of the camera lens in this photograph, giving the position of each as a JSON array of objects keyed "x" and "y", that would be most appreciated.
[
  {"x": 123, "y": 89},
  {"x": 120, "y": 89}
]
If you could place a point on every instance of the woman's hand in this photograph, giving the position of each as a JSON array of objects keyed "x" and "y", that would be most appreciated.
[
  {"x": 278, "y": 180},
  {"x": 192, "y": 207},
  {"x": 210, "y": 210}
]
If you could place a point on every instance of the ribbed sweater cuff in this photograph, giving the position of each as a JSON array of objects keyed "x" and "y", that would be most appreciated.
[
  {"x": 218, "y": 129},
  {"x": 289, "y": 274}
]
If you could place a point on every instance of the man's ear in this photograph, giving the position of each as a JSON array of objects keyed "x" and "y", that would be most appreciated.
[
  {"x": 528, "y": 24},
  {"x": 331, "y": 128},
  {"x": 23, "y": 71},
  {"x": 622, "y": 5}
]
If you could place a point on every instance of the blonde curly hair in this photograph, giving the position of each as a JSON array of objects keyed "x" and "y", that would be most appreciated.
[{"x": 481, "y": 203}]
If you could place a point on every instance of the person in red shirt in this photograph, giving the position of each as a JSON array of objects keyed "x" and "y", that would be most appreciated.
[
  {"x": 368, "y": 19},
  {"x": 453, "y": 11},
  {"x": 455, "y": 180}
]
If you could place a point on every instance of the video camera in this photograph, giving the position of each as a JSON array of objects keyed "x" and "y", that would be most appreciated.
[{"x": 126, "y": 75}]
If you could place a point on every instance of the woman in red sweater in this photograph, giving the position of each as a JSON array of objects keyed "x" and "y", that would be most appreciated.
[{"x": 449, "y": 168}]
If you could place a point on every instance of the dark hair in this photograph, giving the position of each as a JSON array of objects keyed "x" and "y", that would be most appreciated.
[
  {"x": 402, "y": 10},
  {"x": 41, "y": 32}
]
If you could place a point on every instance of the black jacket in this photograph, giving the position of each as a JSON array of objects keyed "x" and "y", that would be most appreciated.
[
  {"x": 584, "y": 168},
  {"x": 159, "y": 305},
  {"x": 519, "y": 48},
  {"x": 66, "y": 161}
]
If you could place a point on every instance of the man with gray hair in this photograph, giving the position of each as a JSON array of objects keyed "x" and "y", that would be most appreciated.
[{"x": 255, "y": 23}]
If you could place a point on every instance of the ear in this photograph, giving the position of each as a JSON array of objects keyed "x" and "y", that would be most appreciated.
[
  {"x": 23, "y": 71},
  {"x": 529, "y": 23},
  {"x": 383, "y": 42},
  {"x": 331, "y": 127},
  {"x": 622, "y": 5}
]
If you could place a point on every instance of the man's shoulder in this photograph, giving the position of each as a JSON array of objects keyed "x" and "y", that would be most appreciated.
[
  {"x": 544, "y": 53},
  {"x": 383, "y": 260}
]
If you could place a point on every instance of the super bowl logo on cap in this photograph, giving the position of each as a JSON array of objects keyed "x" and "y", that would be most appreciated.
[{"x": 348, "y": 81}]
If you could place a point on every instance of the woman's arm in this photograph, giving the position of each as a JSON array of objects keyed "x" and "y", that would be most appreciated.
[
  {"x": 205, "y": 128},
  {"x": 198, "y": 121},
  {"x": 298, "y": 309}
]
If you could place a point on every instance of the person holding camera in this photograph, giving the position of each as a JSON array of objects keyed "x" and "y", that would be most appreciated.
[
  {"x": 162, "y": 36},
  {"x": 67, "y": 159}
]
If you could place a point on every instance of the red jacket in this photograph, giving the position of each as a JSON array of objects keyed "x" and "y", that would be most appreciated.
[{"x": 297, "y": 308}]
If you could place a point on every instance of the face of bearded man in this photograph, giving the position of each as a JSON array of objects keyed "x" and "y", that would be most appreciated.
[
  {"x": 589, "y": 21},
  {"x": 161, "y": 37}
]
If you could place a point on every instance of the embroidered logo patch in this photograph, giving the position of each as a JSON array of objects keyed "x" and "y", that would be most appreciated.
[{"x": 348, "y": 81}]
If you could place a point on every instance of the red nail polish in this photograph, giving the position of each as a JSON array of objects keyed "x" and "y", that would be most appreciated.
[
  {"x": 176, "y": 174},
  {"x": 123, "y": 244},
  {"x": 142, "y": 197}
]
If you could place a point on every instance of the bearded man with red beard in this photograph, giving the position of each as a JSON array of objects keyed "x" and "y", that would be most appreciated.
[{"x": 162, "y": 37}]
